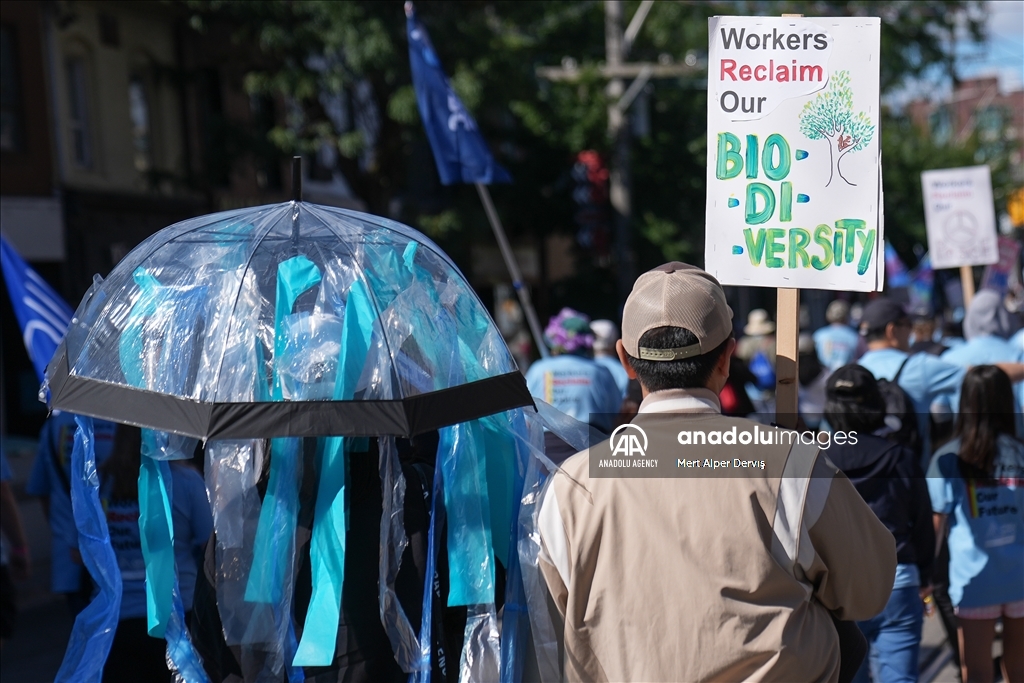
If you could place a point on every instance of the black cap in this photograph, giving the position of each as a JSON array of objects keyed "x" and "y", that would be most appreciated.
[
  {"x": 879, "y": 313},
  {"x": 854, "y": 383}
]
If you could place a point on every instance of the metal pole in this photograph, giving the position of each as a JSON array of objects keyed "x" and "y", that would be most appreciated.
[
  {"x": 620, "y": 180},
  {"x": 513, "y": 269}
]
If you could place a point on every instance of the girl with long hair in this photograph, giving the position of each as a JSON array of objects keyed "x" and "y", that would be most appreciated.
[{"x": 976, "y": 483}]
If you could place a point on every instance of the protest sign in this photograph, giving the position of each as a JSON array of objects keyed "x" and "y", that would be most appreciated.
[
  {"x": 960, "y": 217},
  {"x": 794, "y": 181}
]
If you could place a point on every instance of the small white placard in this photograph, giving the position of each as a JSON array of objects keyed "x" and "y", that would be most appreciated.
[{"x": 960, "y": 217}]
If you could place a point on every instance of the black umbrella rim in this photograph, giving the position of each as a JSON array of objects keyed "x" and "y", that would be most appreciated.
[{"x": 405, "y": 417}]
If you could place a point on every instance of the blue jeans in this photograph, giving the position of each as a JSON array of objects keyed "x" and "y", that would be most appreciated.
[{"x": 894, "y": 637}]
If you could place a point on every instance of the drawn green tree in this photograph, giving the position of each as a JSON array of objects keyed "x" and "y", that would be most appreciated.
[{"x": 830, "y": 117}]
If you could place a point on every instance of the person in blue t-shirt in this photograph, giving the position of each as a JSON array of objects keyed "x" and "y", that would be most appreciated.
[
  {"x": 134, "y": 656},
  {"x": 976, "y": 485},
  {"x": 925, "y": 378},
  {"x": 572, "y": 381},
  {"x": 1017, "y": 340},
  {"x": 986, "y": 328},
  {"x": 836, "y": 343},
  {"x": 50, "y": 481},
  {"x": 606, "y": 333}
]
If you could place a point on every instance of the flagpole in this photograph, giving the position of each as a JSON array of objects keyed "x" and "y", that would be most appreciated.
[{"x": 513, "y": 269}]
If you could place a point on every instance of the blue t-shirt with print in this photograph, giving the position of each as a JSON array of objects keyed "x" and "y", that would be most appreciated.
[
  {"x": 56, "y": 441},
  {"x": 986, "y": 525},
  {"x": 618, "y": 372},
  {"x": 836, "y": 345},
  {"x": 193, "y": 523},
  {"x": 577, "y": 386},
  {"x": 925, "y": 378}
]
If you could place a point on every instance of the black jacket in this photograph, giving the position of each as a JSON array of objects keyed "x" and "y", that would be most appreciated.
[{"x": 888, "y": 477}]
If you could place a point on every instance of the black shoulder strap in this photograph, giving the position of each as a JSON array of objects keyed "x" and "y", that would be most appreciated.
[{"x": 899, "y": 372}]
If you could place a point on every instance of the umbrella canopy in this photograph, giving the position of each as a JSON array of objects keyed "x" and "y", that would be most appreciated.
[{"x": 286, "y": 320}]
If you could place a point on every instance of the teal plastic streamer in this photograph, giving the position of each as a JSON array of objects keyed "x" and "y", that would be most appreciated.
[
  {"x": 294, "y": 276},
  {"x": 470, "y": 559},
  {"x": 327, "y": 545},
  {"x": 157, "y": 535},
  {"x": 94, "y": 627},
  {"x": 131, "y": 342},
  {"x": 275, "y": 532},
  {"x": 164, "y": 609},
  {"x": 500, "y": 462}
]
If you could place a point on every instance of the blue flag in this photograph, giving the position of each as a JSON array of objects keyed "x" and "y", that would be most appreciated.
[
  {"x": 41, "y": 312},
  {"x": 459, "y": 150},
  {"x": 896, "y": 274}
]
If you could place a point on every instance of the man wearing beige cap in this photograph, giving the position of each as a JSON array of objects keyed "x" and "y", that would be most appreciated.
[{"x": 695, "y": 573}]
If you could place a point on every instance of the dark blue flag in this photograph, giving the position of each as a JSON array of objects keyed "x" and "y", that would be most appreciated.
[
  {"x": 41, "y": 312},
  {"x": 459, "y": 150}
]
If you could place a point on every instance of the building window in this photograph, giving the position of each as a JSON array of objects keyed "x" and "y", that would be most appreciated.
[
  {"x": 78, "y": 108},
  {"x": 11, "y": 139},
  {"x": 138, "y": 109}
]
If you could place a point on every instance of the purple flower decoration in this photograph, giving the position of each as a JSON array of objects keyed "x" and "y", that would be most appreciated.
[{"x": 569, "y": 332}]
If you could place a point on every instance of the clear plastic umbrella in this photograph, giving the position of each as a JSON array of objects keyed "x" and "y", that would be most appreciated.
[
  {"x": 237, "y": 324},
  {"x": 292, "y": 320}
]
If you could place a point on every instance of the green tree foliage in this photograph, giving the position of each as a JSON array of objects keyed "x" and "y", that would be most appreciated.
[
  {"x": 491, "y": 49},
  {"x": 829, "y": 116}
]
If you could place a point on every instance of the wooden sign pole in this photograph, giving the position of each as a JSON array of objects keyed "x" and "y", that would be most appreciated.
[
  {"x": 967, "y": 284},
  {"x": 787, "y": 336}
]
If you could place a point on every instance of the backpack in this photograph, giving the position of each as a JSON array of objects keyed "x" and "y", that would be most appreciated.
[{"x": 900, "y": 416}]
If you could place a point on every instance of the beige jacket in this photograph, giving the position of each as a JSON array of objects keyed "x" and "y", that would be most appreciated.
[{"x": 710, "y": 578}]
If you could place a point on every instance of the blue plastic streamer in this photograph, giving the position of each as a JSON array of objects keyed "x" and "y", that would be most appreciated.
[
  {"x": 437, "y": 518},
  {"x": 156, "y": 524},
  {"x": 515, "y": 630},
  {"x": 294, "y": 276},
  {"x": 275, "y": 532},
  {"x": 163, "y": 596},
  {"x": 327, "y": 545},
  {"x": 94, "y": 627},
  {"x": 157, "y": 534},
  {"x": 470, "y": 560}
]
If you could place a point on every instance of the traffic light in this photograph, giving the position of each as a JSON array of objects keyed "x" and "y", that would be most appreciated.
[{"x": 590, "y": 194}]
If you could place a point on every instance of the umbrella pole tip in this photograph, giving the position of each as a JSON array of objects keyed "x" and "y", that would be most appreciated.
[{"x": 297, "y": 178}]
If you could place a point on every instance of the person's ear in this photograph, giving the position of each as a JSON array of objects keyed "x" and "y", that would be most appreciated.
[
  {"x": 890, "y": 331},
  {"x": 725, "y": 360},
  {"x": 620, "y": 351}
]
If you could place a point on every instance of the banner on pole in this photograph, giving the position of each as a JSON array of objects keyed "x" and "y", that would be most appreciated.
[
  {"x": 960, "y": 217},
  {"x": 794, "y": 178},
  {"x": 42, "y": 314}
]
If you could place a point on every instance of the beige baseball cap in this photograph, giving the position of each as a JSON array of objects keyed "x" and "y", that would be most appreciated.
[{"x": 676, "y": 295}]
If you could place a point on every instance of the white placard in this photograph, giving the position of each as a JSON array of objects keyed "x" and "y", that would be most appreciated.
[
  {"x": 794, "y": 176},
  {"x": 960, "y": 217}
]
